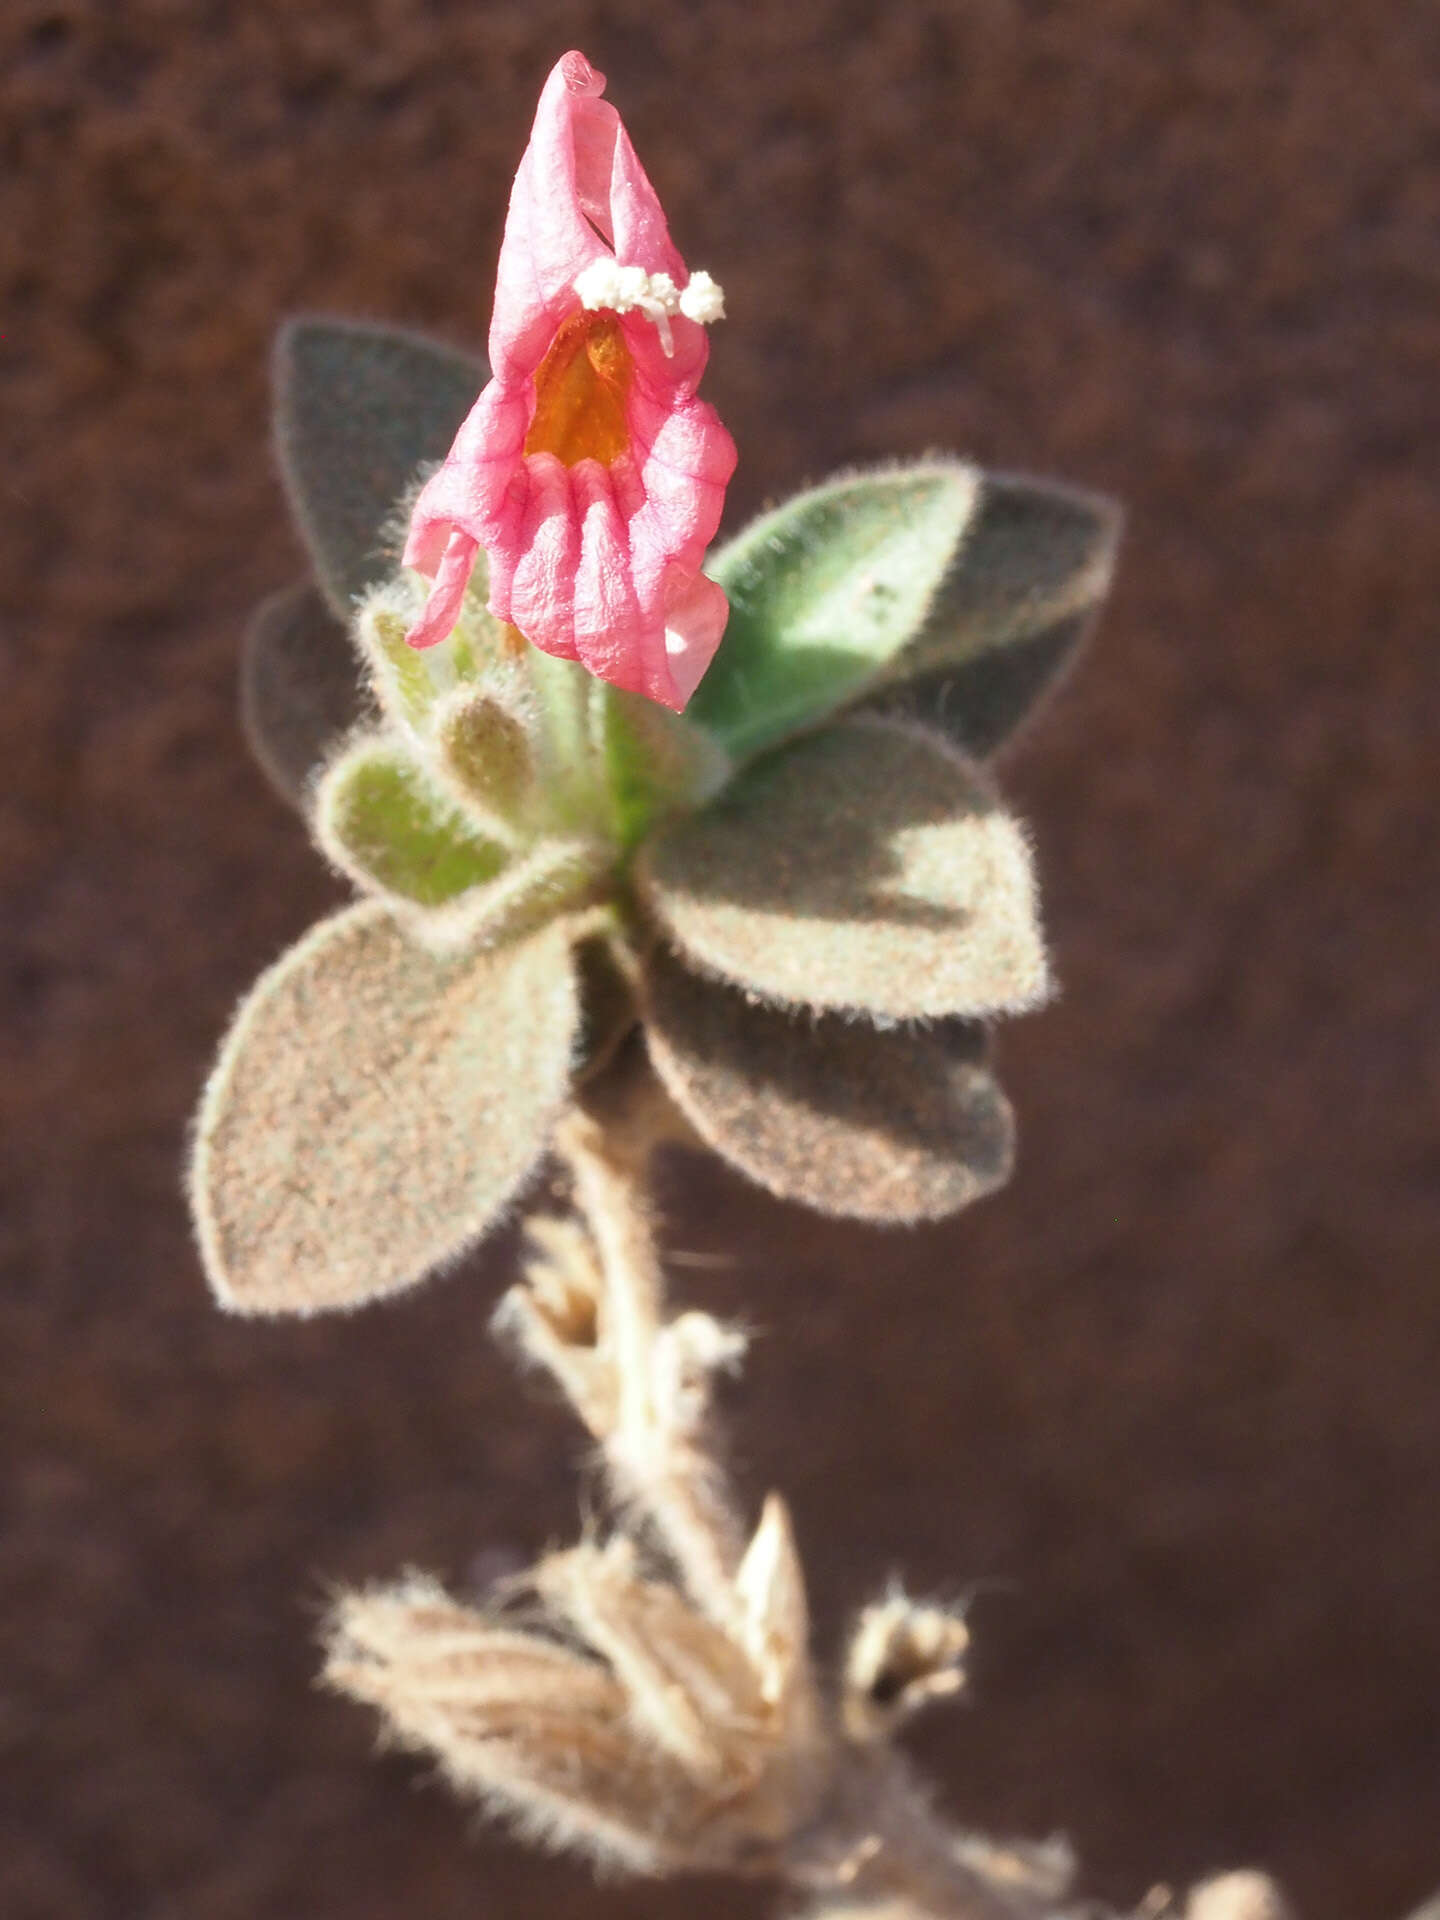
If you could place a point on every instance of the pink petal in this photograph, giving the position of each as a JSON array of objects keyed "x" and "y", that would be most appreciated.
[
  {"x": 695, "y": 628},
  {"x": 535, "y": 586},
  {"x": 442, "y": 608},
  {"x": 609, "y": 621}
]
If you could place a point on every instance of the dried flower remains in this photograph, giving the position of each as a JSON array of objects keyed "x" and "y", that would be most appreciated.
[{"x": 648, "y": 1698}]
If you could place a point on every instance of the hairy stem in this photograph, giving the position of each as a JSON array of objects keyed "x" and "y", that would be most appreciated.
[
  {"x": 660, "y": 1460},
  {"x": 877, "y": 1839}
]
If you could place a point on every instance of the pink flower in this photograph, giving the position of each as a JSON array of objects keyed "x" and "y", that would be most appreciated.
[{"x": 587, "y": 469}]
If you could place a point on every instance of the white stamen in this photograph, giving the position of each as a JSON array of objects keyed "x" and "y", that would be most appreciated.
[{"x": 605, "y": 283}]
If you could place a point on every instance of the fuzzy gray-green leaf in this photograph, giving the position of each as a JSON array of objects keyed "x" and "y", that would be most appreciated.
[
  {"x": 869, "y": 868},
  {"x": 893, "y": 1126},
  {"x": 300, "y": 687},
  {"x": 374, "y": 1109},
  {"x": 1031, "y": 574},
  {"x": 608, "y": 1010},
  {"x": 982, "y": 703},
  {"x": 558, "y": 874},
  {"x": 358, "y": 409},
  {"x": 824, "y": 592},
  {"x": 381, "y": 819}
]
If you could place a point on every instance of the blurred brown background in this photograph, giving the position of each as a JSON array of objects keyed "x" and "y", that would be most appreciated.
[{"x": 1169, "y": 1402}]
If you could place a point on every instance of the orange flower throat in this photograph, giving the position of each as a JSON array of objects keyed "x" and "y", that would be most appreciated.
[{"x": 580, "y": 392}]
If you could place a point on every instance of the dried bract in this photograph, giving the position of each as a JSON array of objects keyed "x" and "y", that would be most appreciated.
[{"x": 903, "y": 1654}]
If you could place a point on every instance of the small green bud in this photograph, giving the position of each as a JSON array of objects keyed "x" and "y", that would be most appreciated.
[
  {"x": 381, "y": 820},
  {"x": 484, "y": 752}
]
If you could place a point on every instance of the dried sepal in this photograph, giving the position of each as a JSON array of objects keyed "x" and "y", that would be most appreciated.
[
  {"x": 626, "y": 1725},
  {"x": 551, "y": 1318},
  {"x": 824, "y": 592},
  {"x": 902, "y": 1655},
  {"x": 892, "y": 1126},
  {"x": 733, "y": 1708},
  {"x": 690, "y": 1686},
  {"x": 447, "y": 1650},
  {"x": 774, "y": 1623},
  {"x": 373, "y": 1110},
  {"x": 559, "y": 1318},
  {"x": 359, "y": 409},
  {"x": 537, "y": 1730},
  {"x": 688, "y": 1352},
  {"x": 867, "y": 868},
  {"x": 300, "y": 688}
]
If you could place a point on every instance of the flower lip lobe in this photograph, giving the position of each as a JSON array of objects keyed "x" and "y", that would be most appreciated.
[{"x": 588, "y": 469}]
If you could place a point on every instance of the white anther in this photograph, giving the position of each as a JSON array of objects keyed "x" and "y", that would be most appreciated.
[
  {"x": 703, "y": 300},
  {"x": 605, "y": 283}
]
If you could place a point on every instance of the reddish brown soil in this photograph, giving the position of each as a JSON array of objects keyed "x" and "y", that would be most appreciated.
[{"x": 1170, "y": 1402}]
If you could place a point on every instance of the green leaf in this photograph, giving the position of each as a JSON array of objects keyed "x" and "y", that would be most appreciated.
[
  {"x": 300, "y": 688},
  {"x": 981, "y": 704},
  {"x": 382, "y": 820},
  {"x": 358, "y": 410},
  {"x": 1034, "y": 554},
  {"x": 608, "y": 1011},
  {"x": 824, "y": 592},
  {"x": 868, "y": 867},
  {"x": 374, "y": 1110},
  {"x": 556, "y": 875},
  {"x": 656, "y": 761},
  {"x": 891, "y": 1126},
  {"x": 1029, "y": 580}
]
